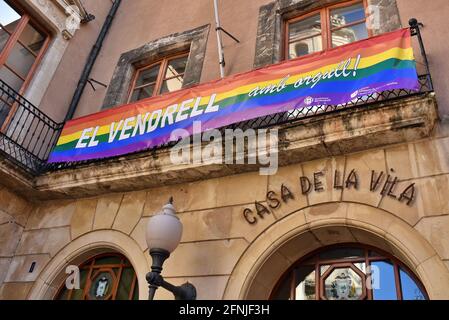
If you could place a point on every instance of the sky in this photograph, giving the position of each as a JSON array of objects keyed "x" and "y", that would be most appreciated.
[{"x": 7, "y": 14}]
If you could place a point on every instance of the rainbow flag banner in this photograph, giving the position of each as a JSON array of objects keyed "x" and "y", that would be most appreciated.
[{"x": 333, "y": 77}]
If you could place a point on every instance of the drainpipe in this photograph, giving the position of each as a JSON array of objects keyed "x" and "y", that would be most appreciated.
[{"x": 91, "y": 60}]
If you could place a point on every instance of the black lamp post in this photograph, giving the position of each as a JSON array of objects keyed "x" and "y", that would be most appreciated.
[{"x": 163, "y": 234}]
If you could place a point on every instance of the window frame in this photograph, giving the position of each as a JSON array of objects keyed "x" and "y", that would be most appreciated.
[
  {"x": 160, "y": 77},
  {"x": 336, "y": 263},
  {"x": 25, "y": 19},
  {"x": 326, "y": 30},
  {"x": 91, "y": 265}
]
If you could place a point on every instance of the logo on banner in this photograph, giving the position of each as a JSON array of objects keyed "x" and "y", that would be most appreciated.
[{"x": 308, "y": 101}]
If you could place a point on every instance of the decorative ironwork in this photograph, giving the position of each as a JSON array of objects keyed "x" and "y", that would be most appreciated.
[
  {"x": 31, "y": 134},
  {"x": 108, "y": 276},
  {"x": 27, "y": 135}
]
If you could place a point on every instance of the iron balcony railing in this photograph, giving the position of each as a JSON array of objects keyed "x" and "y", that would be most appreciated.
[
  {"x": 30, "y": 135},
  {"x": 27, "y": 135}
]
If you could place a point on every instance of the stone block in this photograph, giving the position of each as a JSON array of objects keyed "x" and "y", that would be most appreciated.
[
  {"x": 418, "y": 248},
  {"x": 130, "y": 211},
  {"x": 43, "y": 241},
  {"x": 15, "y": 206},
  {"x": 410, "y": 214},
  {"x": 20, "y": 268},
  {"x": 433, "y": 195},
  {"x": 432, "y": 156},
  {"x": 107, "y": 208},
  {"x": 158, "y": 197},
  {"x": 222, "y": 223},
  {"x": 368, "y": 216},
  {"x": 291, "y": 224},
  {"x": 333, "y": 234},
  {"x": 299, "y": 246},
  {"x": 436, "y": 231},
  {"x": 435, "y": 277},
  {"x": 258, "y": 291},
  {"x": 368, "y": 238},
  {"x": 240, "y": 189},
  {"x": 442, "y": 128},
  {"x": 10, "y": 234},
  {"x": 139, "y": 231},
  {"x": 323, "y": 172},
  {"x": 289, "y": 177},
  {"x": 363, "y": 163},
  {"x": 83, "y": 217},
  {"x": 402, "y": 160},
  {"x": 208, "y": 224},
  {"x": 4, "y": 266},
  {"x": 5, "y": 217},
  {"x": 50, "y": 214},
  {"x": 326, "y": 213},
  {"x": 272, "y": 270},
  {"x": 15, "y": 290},
  {"x": 204, "y": 258},
  {"x": 430, "y": 199},
  {"x": 232, "y": 190}
]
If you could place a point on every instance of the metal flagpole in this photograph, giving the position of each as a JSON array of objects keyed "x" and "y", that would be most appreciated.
[{"x": 219, "y": 40}]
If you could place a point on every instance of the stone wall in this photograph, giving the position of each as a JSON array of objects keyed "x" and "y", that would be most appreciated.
[
  {"x": 223, "y": 254},
  {"x": 14, "y": 213},
  {"x": 217, "y": 238}
]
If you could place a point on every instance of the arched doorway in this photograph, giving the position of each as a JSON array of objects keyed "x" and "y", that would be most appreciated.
[
  {"x": 349, "y": 272},
  {"x": 299, "y": 233},
  {"x": 108, "y": 276}
]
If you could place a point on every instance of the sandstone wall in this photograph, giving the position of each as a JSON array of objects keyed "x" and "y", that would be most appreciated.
[{"x": 216, "y": 235}]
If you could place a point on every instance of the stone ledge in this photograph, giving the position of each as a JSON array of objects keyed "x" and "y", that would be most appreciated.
[
  {"x": 358, "y": 129},
  {"x": 339, "y": 133},
  {"x": 15, "y": 179}
]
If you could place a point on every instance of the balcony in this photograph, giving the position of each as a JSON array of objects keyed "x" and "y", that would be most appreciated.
[
  {"x": 27, "y": 135},
  {"x": 374, "y": 120}
]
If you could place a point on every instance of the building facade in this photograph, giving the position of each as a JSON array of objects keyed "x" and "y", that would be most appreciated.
[{"x": 360, "y": 188}]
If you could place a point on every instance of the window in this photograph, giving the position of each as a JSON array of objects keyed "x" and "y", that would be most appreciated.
[
  {"x": 22, "y": 44},
  {"x": 122, "y": 85},
  {"x": 326, "y": 28},
  {"x": 104, "y": 277},
  {"x": 164, "y": 76},
  {"x": 349, "y": 273}
]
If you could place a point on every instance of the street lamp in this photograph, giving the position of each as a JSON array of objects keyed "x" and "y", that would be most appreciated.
[{"x": 163, "y": 234}]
